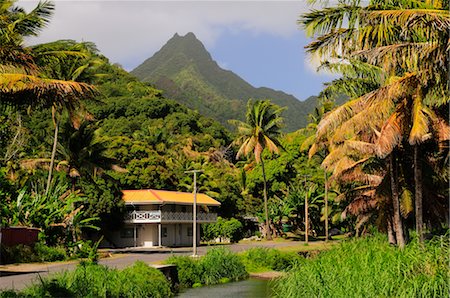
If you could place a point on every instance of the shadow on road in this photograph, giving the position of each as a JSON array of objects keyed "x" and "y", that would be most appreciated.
[{"x": 4, "y": 273}]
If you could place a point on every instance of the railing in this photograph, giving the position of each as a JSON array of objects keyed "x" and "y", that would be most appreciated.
[
  {"x": 156, "y": 216},
  {"x": 187, "y": 217},
  {"x": 143, "y": 216}
]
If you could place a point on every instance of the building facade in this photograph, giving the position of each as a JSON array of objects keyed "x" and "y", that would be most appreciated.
[{"x": 162, "y": 218}]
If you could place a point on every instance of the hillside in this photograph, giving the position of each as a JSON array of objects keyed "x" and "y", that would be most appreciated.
[{"x": 186, "y": 72}]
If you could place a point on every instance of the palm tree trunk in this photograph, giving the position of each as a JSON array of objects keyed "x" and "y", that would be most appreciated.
[
  {"x": 418, "y": 193},
  {"x": 398, "y": 224},
  {"x": 390, "y": 230},
  {"x": 269, "y": 234},
  {"x": 326, "y": 208},
  {"x": 52, "y": 160}
]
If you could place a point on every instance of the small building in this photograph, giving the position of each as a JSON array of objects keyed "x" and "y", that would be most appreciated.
[{"x": 162, "y": 218}]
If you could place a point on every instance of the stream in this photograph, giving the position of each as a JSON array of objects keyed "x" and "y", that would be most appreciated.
[{"x": 250, "y": 288}]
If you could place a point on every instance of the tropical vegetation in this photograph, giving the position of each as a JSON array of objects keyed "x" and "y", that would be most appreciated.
[
  {"x": 370, "y": 267},
  {"x": 397, "y": 116},
  {"x": 76, "y": 129},
  {"x": 92, "y": 280}
]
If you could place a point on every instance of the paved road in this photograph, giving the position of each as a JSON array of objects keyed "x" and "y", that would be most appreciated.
[{"x": 19, "y": 276}]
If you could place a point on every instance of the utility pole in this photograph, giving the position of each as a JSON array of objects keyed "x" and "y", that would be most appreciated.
[
  {"x": 306, "y": 211},
  {"x": 194, "y": 213}
]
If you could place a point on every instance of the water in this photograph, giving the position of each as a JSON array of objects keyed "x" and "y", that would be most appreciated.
[{"x": 250, "y": 288}]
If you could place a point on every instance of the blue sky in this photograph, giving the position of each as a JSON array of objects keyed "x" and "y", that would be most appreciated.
[{"x": 258, "y": 40}]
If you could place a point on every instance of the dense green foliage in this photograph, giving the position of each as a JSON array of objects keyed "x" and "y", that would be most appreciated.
[
  {"x": 370, "y": 267},
  {"x": 186, "y": 72},
  {"x": 230, "y": 229},
  {"x": 40, "y": 252},
  {"x": 260, "y": 259},
  {"x": 217, "y": 265},
  {"x": 91, "y": 280}
]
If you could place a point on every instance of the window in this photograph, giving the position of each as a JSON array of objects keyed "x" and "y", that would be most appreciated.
[
  {"x": 128, "y": 233},
  {"x": 164, "y": 232},
  {"x": 183, "y": 209},
  {"x": 189, "y": 231}
]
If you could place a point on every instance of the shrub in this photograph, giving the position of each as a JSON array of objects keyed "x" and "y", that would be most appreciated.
[
  {"x": 49, "y": 254},
  {"x": 18, "y": 254},
  {"x": 213, "y": 268},
  {"x": 27, "y": 254},
  {"x": 141, "y": 280},
  {"x": 262, "y": 259},
  {"x": 189, "y": 270},
  {"x": 92, "y": 280},
  {"x": 230, "y": 229},
  {"x": 219, "y": 263},
  {"x": 370, "y": 267}
]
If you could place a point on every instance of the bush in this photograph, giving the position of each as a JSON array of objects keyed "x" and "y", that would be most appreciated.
[
  {"x": 27, "y": 254},
  {"x": 230, "y": 229},
  {"x": 92, "y": 280},
  {"x": 189, "y": 270},
  {"x": 370, "y": 267},
  {"x": 18, "y": 254},
  {"x": 213, "y": 268},
  {"x": 49, "y": 254},
  {"x": 141, "y": 280},
  {"x": 219, "y": 263},
  {"x": 262, "y": 259}
]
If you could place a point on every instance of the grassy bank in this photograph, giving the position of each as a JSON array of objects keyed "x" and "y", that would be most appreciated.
[
  {"x": 219, "y": 265},
  {"x": 370, "y": 267},
  {"x": 91, "y": 280}
]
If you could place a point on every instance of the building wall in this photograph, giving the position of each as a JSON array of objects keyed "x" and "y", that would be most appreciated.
[
  {"x": 177, "y": 234},
  {"x": 147, "y": 235}
]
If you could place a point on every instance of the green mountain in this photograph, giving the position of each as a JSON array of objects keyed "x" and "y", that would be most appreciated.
[{"x": 186, "y": 72}]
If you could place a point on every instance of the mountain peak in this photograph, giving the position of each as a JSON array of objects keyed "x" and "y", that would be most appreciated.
[{"x": 185, "y": 70}]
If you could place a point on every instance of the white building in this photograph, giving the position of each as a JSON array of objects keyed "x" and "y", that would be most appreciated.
[{"x": 162, "y": 218}]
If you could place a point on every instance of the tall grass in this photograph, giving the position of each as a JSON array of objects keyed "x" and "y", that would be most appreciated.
[
  {"x": 260, "y": 259},
  {"x": 217, "y": 265},
  {"x": 370, "y": 267},
  {"x": 92, "y": 280}
]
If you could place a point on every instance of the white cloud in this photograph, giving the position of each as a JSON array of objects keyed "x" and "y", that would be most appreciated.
[{"x": 130, "y": 31}]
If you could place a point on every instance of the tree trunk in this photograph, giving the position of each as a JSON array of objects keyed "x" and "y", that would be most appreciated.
[
  {"x": 269, "y": 234},
  {"x": 390, "y": 231},
  {"x": 306, "y": 216},
  {"x": 52, "y": 160},
  {"x": 398, "y": 224},
  {"x": 418, "y": 193},
  {"x": 326, "y": 208}
]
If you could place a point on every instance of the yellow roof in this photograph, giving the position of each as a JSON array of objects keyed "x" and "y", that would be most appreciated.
[{"x": 153, "y": 196}]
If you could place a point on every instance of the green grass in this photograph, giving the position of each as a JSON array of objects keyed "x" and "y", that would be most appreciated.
[
  {"x": 260, "y": 259},
  {"x": 370, "y": 267},
  {"x": 218, "y": 264},
  {"x": 91, "y": 280}
]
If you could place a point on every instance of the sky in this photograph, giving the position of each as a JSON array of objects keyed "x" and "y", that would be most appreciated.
[{"x": 258, "y": 40}]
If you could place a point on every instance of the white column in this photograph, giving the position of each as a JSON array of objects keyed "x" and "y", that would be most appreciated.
[
  {"x": 159, "y": 235},
  {"x": 135, "y": 236}
]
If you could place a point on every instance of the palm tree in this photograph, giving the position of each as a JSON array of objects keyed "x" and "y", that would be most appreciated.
[
  {"x": 84, "y": 154},
  {"x": 260, "y": 131},
  {"x": 22, "y": 80},
  {"x": 408, "y": 40},
  {"x": 68, "y": 61}
]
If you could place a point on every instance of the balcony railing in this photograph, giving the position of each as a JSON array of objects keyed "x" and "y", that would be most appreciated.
[
  {"x": 153, "y": 216},
  {"x": 156, "y": 216}
]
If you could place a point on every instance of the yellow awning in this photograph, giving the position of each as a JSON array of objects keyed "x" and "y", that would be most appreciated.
[{"x": 153, "y": 196}]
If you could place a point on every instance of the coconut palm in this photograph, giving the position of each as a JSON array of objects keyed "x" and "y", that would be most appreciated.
[
  {"x": 67, "y": 61},
  {"x": 260, "y": 131},
  {"x": 22, "y": 80},
  {"x": 408, "y": 40}
]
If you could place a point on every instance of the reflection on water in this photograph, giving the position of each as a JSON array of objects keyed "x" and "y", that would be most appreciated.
[{"x": 250, "y": 288}]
